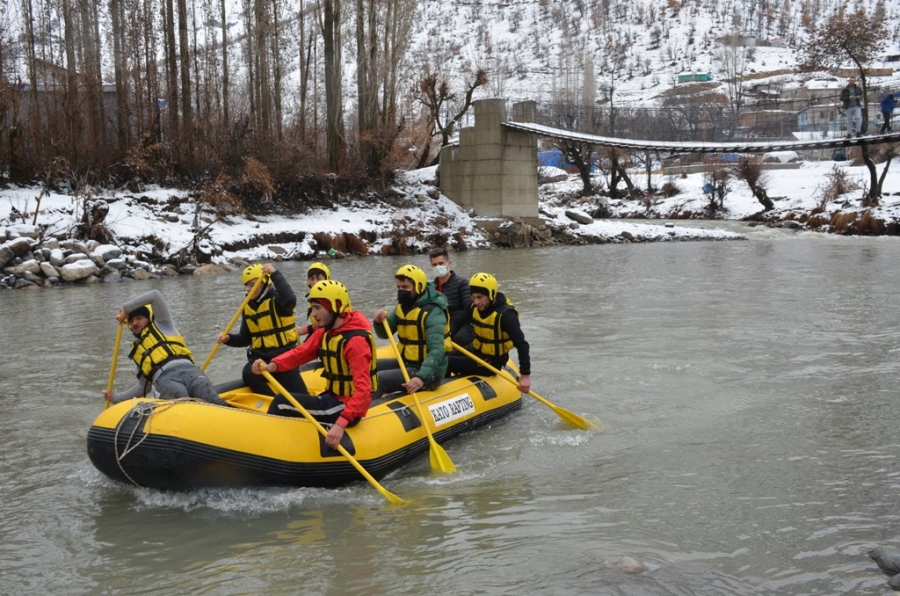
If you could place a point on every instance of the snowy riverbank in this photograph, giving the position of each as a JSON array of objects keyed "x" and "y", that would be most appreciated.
[{"x": 158, "y": 231}]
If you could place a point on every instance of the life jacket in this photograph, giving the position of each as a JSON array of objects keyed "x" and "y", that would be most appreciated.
[
  {"x": 153, "y": 349},
  {"x": 411, "y": 332},
  {"x": 268, "y": 329},
  {"x": 337, "y": 373},
  {"x": 490, "y": 339}
]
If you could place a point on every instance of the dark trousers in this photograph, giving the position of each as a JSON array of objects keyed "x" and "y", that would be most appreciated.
[
  {"x": 461, "y": 365},
  {"x": 325, "y": 407},
  {"x": 289, "y": 379},
  {"x": 886, "y": 126}
]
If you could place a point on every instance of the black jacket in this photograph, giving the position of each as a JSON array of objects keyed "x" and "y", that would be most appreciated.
[
  {"x": 459, "y": 298},
  {"x": 285, "y": 303}
]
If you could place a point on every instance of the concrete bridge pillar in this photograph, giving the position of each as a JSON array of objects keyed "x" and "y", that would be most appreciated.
[{"x": 493, "y": 170}]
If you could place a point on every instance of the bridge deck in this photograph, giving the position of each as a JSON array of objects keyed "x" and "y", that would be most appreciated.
[{"x": 689, "y": 147}]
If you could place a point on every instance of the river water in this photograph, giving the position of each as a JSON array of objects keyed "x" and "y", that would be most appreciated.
[{"x": 748, "y": 392}]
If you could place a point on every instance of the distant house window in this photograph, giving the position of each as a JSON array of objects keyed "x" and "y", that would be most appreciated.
[{"x": 822, "y": 114}]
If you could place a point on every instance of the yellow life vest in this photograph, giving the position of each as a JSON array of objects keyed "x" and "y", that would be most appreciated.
[
  {"x": 153, "y": 349},
  {"x": 490, "y": 339},
  {"x": 411, "y": 333},
  {"x": 337, "y": 371},
  {"x": 267, "y": 328}
]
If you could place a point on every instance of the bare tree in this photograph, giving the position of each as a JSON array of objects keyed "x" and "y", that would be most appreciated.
[
  {"x": 226, "y": 79},
  {"x": 187, "y": 112},
  {"x": 750, "y": 171},
  {"x": 733, "y": 59},
  {"x": 305, "y": 45},
  {"x": 433, "y": 92},
  {"x": 120, "y": 69},
  {"x": 330, "y": 25},
  {"x": 171, "y": 67},
  {"x": 856, "y": 37}
]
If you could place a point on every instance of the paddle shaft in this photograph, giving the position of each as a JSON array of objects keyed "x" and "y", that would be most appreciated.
[
  {"x": 275, "y": 385},
  {"x": 439, "y": 458},
  {"x": 234, "y": 319},
  {"x": 570, "y": 417},
  {"x": 115, "y": 360}
]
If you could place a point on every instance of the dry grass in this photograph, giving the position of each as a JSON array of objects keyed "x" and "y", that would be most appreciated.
[{"x": 256, "y": 176}]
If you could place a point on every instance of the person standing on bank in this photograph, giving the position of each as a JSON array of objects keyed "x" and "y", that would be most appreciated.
[
  {"x": 456, "y": 290},
  {"x": 497, "y": 331},
  {"x": 344, "y": 338},
  {"x": 267, "y": 327},
  {"x": 165, "y": 365},
  {"x": 888, "y": 103},
  {"x": 422, "y": 324},
  {"x": 852, "y": 101}
]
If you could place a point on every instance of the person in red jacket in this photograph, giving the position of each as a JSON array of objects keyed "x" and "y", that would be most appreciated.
[{"x": 343, "y": 338}]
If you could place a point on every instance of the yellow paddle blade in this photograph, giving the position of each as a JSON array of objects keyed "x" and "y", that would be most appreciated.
[
  {"x": 439, "y": 459},
  {"x": 568, "y": 417}
]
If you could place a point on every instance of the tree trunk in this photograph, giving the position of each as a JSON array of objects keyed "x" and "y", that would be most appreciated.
[
  {"x": 276, "y": 75},
  {"x": 171, "y": 69},
  {"x": 34, "y": 112},
  {"x": 93, "y": 81},
  {"x": 871, "y": 199},
  {"x": 120, "y": 69},
  {"x": 226, "y": 98},
  {"x": 334, "y": 125},
  {"x": 71, "y": 93},
  {"x": 187, "y": 113},
  {"x": 305, "y": 54},
  {"x": 262, "y": 70},
  {"x": 250, "y": 62}
]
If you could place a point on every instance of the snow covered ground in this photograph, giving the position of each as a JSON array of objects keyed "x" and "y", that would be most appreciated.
[{"x": 170, "y": 219}]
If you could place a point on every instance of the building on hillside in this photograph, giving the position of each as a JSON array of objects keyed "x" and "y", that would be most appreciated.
[
  {"x": 763, "y": 93},
  {"x": 815, "y": 91},
  {"x": 772, "y": 123},
  {"x": 694, "y": 77},
  {"x": 824, "y": 119}
]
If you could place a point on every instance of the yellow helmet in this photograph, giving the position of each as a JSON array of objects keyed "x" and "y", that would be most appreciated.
[
  {"x": 333, "y": 292},
  {"x": 484, "y": 283},
  {"x": 414, "y": 274},
  {"x": 321, "y": 267},
  {"x": 251, "y": 273}
]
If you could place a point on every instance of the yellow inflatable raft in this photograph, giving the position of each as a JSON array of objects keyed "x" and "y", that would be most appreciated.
[{"x": 187, "y": 444}]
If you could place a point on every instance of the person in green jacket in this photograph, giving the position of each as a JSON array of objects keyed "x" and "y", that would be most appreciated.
[{"x": 422, "y": 324}]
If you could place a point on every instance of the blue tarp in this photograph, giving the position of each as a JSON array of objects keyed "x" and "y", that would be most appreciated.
[
  {"x": 726, "y": 157},
  {"x": 556, "y": 159},
  {"x": 551, "y": 159}
]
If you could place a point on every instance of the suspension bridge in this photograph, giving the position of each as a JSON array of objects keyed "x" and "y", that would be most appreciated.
[{"x": 493, "y": 168}]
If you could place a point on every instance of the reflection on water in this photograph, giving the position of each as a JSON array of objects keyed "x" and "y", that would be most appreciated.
[{"x": 746, "y": 386}]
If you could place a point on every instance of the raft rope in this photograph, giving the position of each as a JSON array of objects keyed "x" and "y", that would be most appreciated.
[
  {"x": 148, "y": 409},
  {"x": 140, "y": 410}
]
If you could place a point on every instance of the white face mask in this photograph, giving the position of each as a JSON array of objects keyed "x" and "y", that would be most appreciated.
[{"x": 440, "y": 270}]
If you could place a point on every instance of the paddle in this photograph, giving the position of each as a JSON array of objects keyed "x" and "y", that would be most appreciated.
[
  {"x": 278, "y": 388},
  {"x": 440, "y": 461},
  {"x": 115, "y": 359},
  {"x": 569, "y": 417},
  {"x": 234, "y": 319}
]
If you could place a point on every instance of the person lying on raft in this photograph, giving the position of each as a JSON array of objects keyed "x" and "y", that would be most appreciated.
[
  {"x": 344, "y": 339},
  {"x": 166, "y": 366}
]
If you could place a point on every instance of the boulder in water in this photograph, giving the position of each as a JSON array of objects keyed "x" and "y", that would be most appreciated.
[{"x": 888, "y": 559}]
